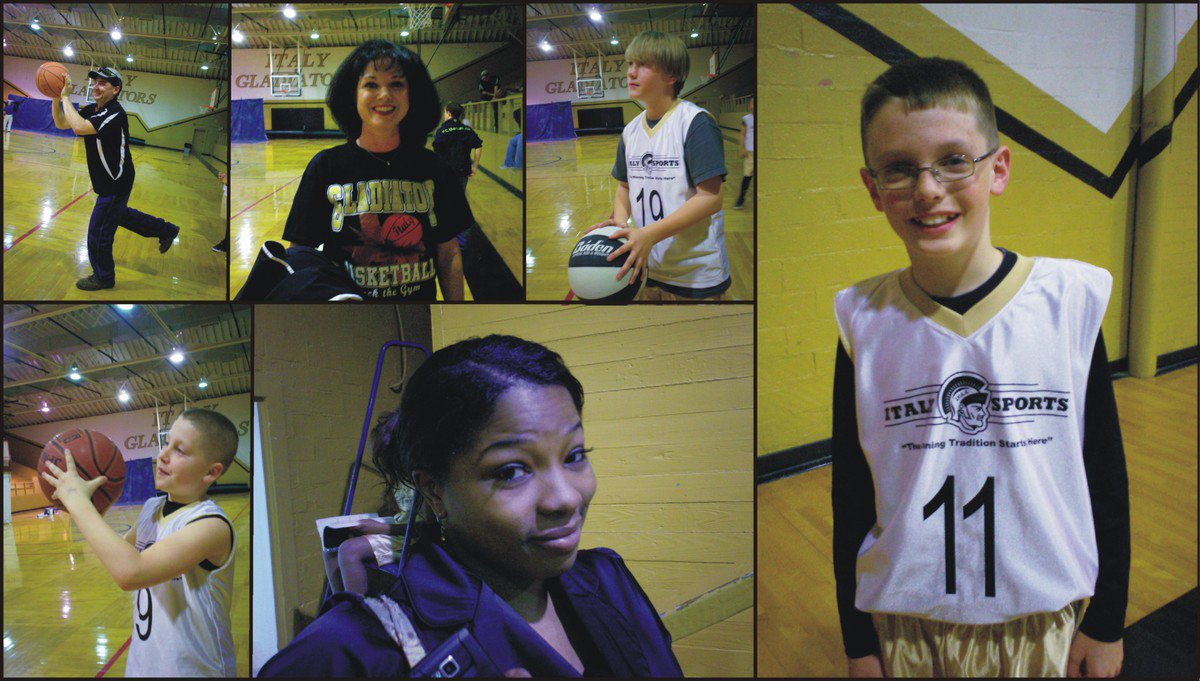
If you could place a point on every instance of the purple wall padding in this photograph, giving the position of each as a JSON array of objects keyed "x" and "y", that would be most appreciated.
[
  {"x": 34, "y": 115},
  {"x": 248, "y": 124},
  {"x": 139, "y": 481},
  {"x": 550, "y": 122}
]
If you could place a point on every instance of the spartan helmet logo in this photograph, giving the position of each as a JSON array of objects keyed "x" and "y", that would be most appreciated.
[
  {"x": 648, "y": 162},
  {"x": 963, "y": 399}
]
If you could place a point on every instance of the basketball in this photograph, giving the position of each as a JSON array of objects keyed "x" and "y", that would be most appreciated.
[
  {"x": 50, "y": 79},
  {"x": 592, "y": 277},
  {"x": 94, "y": 455}
]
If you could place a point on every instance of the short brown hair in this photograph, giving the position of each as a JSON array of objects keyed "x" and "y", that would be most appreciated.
[
  {"x": 219, "y": 437},
  {"x": 930, "y": 82},
  {"x": 666, "y": 53}
]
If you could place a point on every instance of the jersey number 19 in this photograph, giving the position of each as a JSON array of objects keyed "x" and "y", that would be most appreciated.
[{"x": 656, "y": 214}]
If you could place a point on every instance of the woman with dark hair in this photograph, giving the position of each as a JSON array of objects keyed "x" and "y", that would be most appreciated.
[
  {"x": 489, "y": 432},
  {"x": 382, "y": 204}
]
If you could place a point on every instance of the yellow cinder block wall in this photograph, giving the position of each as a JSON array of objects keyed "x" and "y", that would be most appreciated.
[
  {"x": 313, "y": 366},
  {"x": 818, "y": 231},
  {"x": 1166, "y": 295},
  {"x": 669, "y": 410}
]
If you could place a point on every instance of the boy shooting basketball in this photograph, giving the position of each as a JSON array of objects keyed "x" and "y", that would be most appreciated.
[
  {"x": 670, "y": 171},
  {"x": 979, "y": 488},
  {"x": 105, "y": 130},
  {"x": 179, "y": 556}
]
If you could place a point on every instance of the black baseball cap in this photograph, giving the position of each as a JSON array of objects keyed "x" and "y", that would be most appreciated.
[{"x": 107, "y": 73}]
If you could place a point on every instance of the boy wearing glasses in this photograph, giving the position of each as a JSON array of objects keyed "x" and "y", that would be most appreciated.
[{"x": 979, "y": 489}]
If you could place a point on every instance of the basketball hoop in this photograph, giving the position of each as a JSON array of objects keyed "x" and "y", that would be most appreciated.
[{"x": 420, "y": 16}]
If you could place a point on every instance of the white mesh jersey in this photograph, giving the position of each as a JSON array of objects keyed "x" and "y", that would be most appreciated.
[
  {"x": 658, "y": 186},
  {"x": 972, "y": 426},
  {"x": 182, "y": 627},
  {"x": 748, "y": 121}
]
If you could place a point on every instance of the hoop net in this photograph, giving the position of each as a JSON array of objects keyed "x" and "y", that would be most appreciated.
[{"x": 420, "y": 16}]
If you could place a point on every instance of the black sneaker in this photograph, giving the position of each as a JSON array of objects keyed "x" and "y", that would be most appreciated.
[
  {"x": 91, "y": 283},
  {"x": 739, "y": 206},
  {"x": 221, "y": 247},
  {"x": 164, "y": 243}
]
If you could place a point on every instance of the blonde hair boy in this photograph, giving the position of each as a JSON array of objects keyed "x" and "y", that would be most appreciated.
[{"x": 670, "y": 172}]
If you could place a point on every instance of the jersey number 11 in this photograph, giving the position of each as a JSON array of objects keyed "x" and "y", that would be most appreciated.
[{"x": 986, "y": 500}]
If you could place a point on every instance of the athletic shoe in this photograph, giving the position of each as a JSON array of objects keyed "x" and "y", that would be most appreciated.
[
  {"x": 221, "y": 247},
  {"x": 91, "y": 283},
  {"x": 739, "y": 206},
  {"x": 164, "y": 243}
]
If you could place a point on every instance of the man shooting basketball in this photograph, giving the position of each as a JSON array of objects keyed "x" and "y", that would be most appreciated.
[{"x": 105, "y": 130}]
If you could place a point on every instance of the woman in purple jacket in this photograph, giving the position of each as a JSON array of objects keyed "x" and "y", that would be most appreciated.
[{"x": 489, "y": 432}]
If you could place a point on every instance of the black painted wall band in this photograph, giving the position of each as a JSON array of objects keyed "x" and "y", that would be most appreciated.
[{"x": 892, "y": 52}]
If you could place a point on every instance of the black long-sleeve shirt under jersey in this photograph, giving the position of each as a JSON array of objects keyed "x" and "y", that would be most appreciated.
[{"x": 1104, "y": 466}]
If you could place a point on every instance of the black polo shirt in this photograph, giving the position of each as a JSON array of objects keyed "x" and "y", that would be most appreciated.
[{"x": 110, "y": 163}]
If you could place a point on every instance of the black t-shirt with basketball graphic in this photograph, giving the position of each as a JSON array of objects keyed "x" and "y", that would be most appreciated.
[
  {"x": 381, "y": 214},
  {"x": 110, "y": 163}
]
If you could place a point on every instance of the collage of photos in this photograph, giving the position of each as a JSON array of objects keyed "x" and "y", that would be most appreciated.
[{"x": 382, "y": 340}]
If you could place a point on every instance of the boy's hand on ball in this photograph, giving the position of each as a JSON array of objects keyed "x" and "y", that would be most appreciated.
[
  {"x": 68, "y": 486},
  {"x": 66, "y": 91},
  {"x": 1094, "y": 659},
  {"x": 638, "y": 243},
  {"x": 606, "y": 223}
]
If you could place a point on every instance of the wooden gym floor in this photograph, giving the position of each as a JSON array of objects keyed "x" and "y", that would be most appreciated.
[
  {"x": 264, "y": 178},
  {"x": 64, "y": 616},
  {"x": 48, "y": 203},
  {"x": 798, "y": 630},
  {"x": 571, "y": 189}
]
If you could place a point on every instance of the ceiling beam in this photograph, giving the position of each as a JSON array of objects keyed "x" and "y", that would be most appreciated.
[
  {"x": 106, "y": 31},
  {"x": 118, "y": 365},
  {"x": 44, "y": 315},
  {"x": 313, "y": 9},
  {"x": 188, "y": 65},
  {"x": 616, "y": 10},
  {"x": 148, "y": 391},
  {"x": 31, "y": 353}
]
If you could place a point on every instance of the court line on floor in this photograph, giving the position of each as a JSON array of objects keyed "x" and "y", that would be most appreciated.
[
  {"x": 40, "y": 224},
  {"x": 504, "y": 185},
  {"x": 112, "y": 660},
  {"x": 263, "y": 198}
]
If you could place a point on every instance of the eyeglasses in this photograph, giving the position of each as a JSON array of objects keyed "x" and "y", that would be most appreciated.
[{"x": 949, "y": 169}]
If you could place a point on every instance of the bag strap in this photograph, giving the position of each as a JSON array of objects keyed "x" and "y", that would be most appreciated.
[{"x": 397, "y": 624}]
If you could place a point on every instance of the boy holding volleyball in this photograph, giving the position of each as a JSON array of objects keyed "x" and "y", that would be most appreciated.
[
  {"x": 670, "y": 171},
  {"x": 979, "y": 489},
  {"x": 105, "y": 130},
  {"x": 179, "y": 555}
]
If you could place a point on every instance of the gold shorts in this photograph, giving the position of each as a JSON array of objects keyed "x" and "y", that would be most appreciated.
[
  {"x": 1037, "y": 645},
  {"x": 748, "y": 165}
]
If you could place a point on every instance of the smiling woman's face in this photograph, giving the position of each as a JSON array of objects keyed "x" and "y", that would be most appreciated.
[{"x": 515, "y": 502}]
